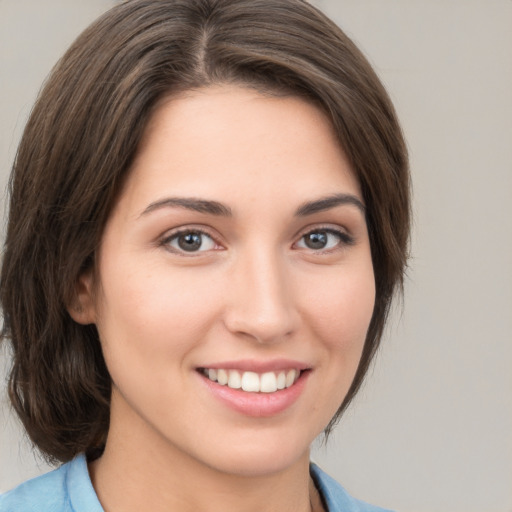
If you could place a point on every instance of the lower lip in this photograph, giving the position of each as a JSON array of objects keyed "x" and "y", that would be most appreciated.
[{"x": 258, "y": 405}]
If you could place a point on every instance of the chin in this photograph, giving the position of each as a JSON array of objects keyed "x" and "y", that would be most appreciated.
[
  {"x": 261, "y": 456},
  {"x": 262, "y": 465}
]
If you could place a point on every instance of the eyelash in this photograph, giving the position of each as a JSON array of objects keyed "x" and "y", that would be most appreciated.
[
  {"x": 344, "y": 240},
  {"x": 167, "y": 240}
]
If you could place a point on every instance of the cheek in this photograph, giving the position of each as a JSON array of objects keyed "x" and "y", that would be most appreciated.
[
  {"x": 150, "y": 323},
  {"x": 340, "y": 317},
  {"x": 154, "y": 311},
  {"x": 341, "y": 309}
]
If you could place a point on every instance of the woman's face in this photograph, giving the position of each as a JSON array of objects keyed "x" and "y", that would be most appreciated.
[{"x": 237, "y": 251}]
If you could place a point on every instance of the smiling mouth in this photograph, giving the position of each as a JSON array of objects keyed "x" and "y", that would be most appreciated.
[{"x": 252, "y": 382}]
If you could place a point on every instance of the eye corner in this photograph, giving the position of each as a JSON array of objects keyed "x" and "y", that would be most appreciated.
[
  {"x": 324, "y": 239},
  {"x": 190, "y": 242}
]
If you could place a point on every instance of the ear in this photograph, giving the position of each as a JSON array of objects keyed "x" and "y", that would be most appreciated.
[{"x": 82, "y": 308}]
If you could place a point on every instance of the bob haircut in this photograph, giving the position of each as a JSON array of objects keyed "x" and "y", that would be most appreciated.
[{"x": 81, "y": 139}]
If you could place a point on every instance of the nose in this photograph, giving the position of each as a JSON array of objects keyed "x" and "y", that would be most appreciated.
[{"x": 261, "y": 303}]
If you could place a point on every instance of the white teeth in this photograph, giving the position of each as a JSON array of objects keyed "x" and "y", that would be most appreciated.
[
  {"x": 234, "y": 380},
  {"x": 290, "y": 378},
  {"x": 250, "y": 382},
  {"x": 281, "y": 380},
  {"x": 222, "y": 377},
  {"x": 268, "y": 382}
]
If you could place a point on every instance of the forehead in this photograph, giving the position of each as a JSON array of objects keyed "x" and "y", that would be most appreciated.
[{"x": 236, "y": 143}]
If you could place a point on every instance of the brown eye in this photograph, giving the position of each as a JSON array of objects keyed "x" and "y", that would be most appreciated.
[
  {"x": 324, "y": 239},
  {"x": 316, "y": 240},
  {"x": 190, "y": 241}
]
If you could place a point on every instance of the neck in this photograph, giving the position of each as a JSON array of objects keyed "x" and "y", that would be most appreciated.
[{"x": 134, "y": 475}]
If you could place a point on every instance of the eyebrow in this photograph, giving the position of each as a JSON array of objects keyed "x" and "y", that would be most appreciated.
[
  {"x": 215, "y": 208},
  {"x": 328, "y": 202},
  {"x": 194, "y": 204}
]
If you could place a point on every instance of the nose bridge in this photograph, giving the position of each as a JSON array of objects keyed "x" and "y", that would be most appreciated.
[{"x": 261, "y": 304}]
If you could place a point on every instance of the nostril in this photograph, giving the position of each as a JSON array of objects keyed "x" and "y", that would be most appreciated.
[{"x": 262, "y": 328}]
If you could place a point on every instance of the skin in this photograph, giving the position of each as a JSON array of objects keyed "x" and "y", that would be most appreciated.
[{"x": 255, "y": 291}]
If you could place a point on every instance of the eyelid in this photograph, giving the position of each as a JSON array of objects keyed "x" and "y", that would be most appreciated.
[
  {"x": 165, "y": 239},
  {"x": 346, "y": 239}
]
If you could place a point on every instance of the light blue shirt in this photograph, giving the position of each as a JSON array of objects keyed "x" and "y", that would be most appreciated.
[{"x": 69, "y": 489}]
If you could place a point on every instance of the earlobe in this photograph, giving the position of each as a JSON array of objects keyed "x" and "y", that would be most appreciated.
[{"x": 82, "y": 308}]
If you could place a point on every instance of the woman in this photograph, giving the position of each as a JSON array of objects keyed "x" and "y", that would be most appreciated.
[{"x": 209, "y": 218}]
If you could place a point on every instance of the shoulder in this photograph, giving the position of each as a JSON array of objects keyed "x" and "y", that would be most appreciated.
[
  {"x": 66, "y": 489},
  {"x": 46, "y": 492},
  {"x": 336, "y": 497}
]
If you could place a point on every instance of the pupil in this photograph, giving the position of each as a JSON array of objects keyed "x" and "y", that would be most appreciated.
[
  {"x": 316, "y": 240},
  {"x": 190, "y": 241}
]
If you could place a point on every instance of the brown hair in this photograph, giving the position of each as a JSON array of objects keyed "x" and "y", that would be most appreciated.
[{"x": 80, "y": 141}]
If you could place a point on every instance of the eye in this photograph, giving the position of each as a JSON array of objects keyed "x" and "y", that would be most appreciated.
[
  {"x": 190, "y": 241},
  {"x": 323, "y": 240}
]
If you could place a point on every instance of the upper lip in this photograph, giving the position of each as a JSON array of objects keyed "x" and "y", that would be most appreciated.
[{"x": 258, "y": 366}]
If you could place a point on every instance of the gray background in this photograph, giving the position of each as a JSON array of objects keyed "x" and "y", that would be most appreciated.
[{"x": 432, "y": 429}]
